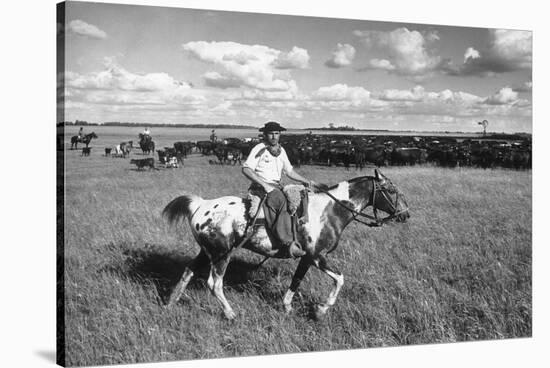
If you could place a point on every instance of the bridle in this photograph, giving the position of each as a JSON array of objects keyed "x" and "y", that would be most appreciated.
[{"x": 377, "y": 188}]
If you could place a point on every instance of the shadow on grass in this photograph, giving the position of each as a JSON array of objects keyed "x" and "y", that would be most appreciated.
[{"x": 150, "y": 263}]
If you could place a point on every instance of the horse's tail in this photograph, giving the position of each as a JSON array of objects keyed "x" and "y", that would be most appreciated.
[{"x": 181, "y": 207}]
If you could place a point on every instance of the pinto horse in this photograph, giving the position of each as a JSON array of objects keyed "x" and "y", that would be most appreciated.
[
  {"x": 86, "y": 140},
  {"x": 220, "y": 225}
]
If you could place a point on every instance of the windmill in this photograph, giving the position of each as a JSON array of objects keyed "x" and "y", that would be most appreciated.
[{"x": 484, "y": 123}]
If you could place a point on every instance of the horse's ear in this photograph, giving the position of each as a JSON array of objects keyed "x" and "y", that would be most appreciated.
[{"x": 379, "y": 176}]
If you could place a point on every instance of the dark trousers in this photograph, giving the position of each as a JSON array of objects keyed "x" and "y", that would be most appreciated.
[{"x": 277, "y": 218}]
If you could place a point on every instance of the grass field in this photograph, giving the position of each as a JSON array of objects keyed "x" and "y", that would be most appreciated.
[{"x": 459, "y": 270}]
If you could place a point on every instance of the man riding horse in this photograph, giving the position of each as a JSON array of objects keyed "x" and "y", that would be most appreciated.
[
  {"x": 146, "y": 141},
  {"x": 264, "y": 167}
]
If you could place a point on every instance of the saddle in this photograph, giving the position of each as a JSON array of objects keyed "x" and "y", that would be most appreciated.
[{"x": 297, "y": 202}]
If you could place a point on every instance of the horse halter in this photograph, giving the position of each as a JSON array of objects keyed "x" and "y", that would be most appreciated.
[
  {"x": 386, "y": 192},
  {"x": 376, "y": 188}
]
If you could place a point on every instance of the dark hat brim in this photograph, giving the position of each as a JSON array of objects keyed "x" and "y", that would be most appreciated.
[
  {"x": 272, "y": 127},
  {"x": 265, "y": 130}
]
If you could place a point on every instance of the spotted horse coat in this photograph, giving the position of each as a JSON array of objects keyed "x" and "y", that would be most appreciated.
[{"x": 218, "y": 225}]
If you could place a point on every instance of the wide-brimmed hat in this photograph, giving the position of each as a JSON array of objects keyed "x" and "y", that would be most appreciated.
[{"x": 272, "y": 126}]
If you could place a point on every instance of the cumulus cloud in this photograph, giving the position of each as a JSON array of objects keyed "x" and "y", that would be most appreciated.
[
  {"x": 407, "y": 51},
  {"x": 381, "y": 64},
  {"x": 339, "y": 92},
  {"x": 504, "y": 96},
  {"x": 116, "y": 77},
  {"x": 471, "y": 53},
  {"x": 343, "y": 99},
  {"x": 342, "y": 56},
  {"x": 254, "y": 66},
  {"x": 415, "y": 94},
  {"x": 117, "y": 86},
  {"x": 82, "y": 28},
  {"x": 513, "y": 46},
  {"x": 453, "y": 97},
  {"x": 508, "y": 51},
  {"x": 297, "y": 58}
]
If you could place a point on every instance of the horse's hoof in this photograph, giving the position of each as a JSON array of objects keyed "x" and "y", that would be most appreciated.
[
  {"x": 229, "y": 314},
  {"x": 320, "y": 312}
]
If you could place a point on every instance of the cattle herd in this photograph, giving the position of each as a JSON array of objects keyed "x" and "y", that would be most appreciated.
[
  {"x": 359, "y": 151},
  {"x": 508, "y": 151}
]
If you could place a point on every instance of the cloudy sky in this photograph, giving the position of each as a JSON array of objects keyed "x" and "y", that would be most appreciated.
[{"x": 170, "y": 65}]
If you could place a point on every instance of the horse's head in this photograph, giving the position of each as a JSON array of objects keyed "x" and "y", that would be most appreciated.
[
  {"x": 93, "y": 135},
  {"x": 389, "y": 199}
]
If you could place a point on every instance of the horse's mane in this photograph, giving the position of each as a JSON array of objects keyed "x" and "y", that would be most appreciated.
[{"x": 354, "y": 180}]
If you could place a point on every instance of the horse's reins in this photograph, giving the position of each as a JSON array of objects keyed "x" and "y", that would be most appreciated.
[{"x": 377, "y": 221}]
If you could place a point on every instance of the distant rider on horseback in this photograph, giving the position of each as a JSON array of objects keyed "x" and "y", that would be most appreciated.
[{"x": 264, "y": 167}]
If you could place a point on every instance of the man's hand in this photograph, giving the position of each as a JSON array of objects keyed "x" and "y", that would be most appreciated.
[{"x": 310, "y": 184}]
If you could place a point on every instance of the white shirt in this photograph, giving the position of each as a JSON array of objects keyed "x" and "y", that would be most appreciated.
[{"x": 268, "y": 167}]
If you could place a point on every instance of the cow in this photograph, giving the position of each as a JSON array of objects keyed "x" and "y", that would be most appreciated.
[
  {"x": 233, "y": 155},
  {"x": 172, "y": 162},
  {"x": 166, "y": 156},
  {"x": 108, "y": 151},
  {"x": 205, "y": 147},
  {"x": 484, "y": 157},
  {"x": 408, "y": 156},
  {"x": 374, "y": 155},
  {"x": 86, "y": 151},
  {"x": 126, "y": 147},
  {"x": 143, "y": 162},
  {"x": 162, "y": 156},
  {"x": 445, "y": 157},
  {"x": 294, "y": 155},
  {"x": 517, "y": 159},
  {"x": 184, "y": 148}
]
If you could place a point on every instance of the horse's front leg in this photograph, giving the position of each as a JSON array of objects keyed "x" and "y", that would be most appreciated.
[
  {"x": 215, "y": 283},
  {"x": 303, "y": 266},
  {"x": 338, "y": 278}
]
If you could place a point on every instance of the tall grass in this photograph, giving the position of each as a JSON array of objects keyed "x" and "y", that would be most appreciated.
[{"x": 459, "y": 270}]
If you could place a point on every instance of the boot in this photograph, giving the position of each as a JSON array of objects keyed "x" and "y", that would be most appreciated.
[{"x": 295, "y": 250}]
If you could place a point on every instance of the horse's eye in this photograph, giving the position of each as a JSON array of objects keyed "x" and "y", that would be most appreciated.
[{"x": 390, "y": 189}]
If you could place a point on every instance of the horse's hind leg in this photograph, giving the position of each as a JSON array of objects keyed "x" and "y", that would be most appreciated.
[
  {"x": 338, "y": 278},
  {"x": 200, "y": 260},
  {"x": 303, "y": 266},
  {"x": 215, "y": 283}
]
